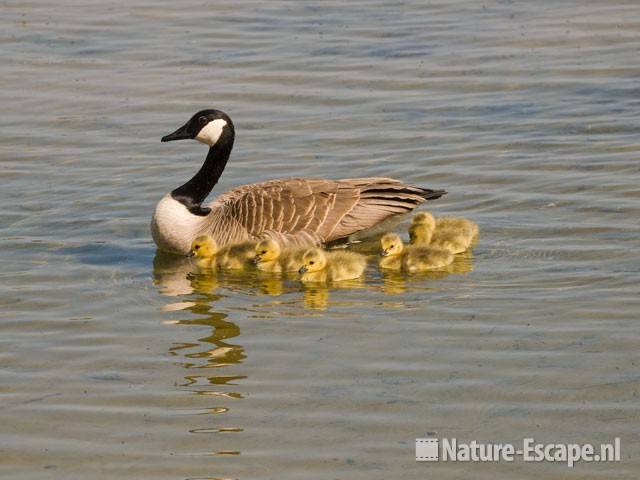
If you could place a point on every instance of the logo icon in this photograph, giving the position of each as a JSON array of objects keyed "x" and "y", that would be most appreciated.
[{"x": 426, "y": 449}]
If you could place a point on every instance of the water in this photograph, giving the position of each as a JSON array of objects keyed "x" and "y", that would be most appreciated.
[{"x": 117, "y": 362}]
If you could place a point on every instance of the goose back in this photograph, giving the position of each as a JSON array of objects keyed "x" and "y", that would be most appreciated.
[{"x": 299, "y": 211}]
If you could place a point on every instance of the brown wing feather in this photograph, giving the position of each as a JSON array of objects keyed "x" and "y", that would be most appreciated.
[{"x": 302, "y": 211}]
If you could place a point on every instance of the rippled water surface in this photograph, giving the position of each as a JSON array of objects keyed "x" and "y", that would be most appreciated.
[{"x": 117, "y": 362}]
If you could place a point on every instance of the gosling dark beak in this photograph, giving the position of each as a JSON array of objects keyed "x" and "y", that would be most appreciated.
[
  {"x": 383, "y": 253},
  {"x": 303, "y": 269},
  {"x": 190, "y": 254},
  {"x": 180, "y": 134},
  {"x": 256, "y": 259}
]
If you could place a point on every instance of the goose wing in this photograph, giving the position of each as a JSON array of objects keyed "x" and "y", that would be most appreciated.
[{"x": 306, "y": 211}]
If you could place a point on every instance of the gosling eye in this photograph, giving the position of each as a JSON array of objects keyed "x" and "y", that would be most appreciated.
[
  {"x": 197, "y": 247},
  {"x": 263, "y": 252},
  {"x": 392, "y": 246},
  {"x": 311, "y": 262}
]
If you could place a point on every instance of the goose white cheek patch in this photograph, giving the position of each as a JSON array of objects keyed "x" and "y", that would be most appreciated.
[{"x": 211, "y": 132}]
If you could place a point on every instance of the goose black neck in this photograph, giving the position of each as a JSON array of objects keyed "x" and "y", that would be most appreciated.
[{"x": 193, "y": 193}]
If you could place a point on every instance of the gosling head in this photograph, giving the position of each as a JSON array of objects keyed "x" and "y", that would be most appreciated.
[
  {"x": 267, "y": 250},
  {"x": 420, "y": 234},
  {"x": 207, "y": 126},
  {"x": 203, "y": 246},
  {"x": 313, "y": 260},
  {"x": 424, "y": 218},
  {"x": 391, "y": 244}
]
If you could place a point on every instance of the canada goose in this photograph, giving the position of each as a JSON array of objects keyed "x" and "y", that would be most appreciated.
[
  {"x": 204, "y": 249},
  {"x": 449, "y": 239},
  {"x": 396, "y": 256},
  {"x": 270, "y": 258},
  {"x": 295, "y": 211},
  {"x": 321, "y": 266}
]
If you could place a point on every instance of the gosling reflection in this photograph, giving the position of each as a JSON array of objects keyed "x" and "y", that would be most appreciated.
[
  {"x": 271, "y": 285},
  {"x": 316, "y": 297},
  {"x": 462, "y": 263},
  {"x": 395, "y": 282}
]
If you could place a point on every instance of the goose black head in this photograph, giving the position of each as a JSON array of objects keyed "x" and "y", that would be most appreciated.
[{"x": 206, "y": 126}]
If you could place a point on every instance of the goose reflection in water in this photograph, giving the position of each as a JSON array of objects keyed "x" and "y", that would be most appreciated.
[
  {"x": 177, "y": 276},
  {"x": 211, "y": 362},
  {"x": 174, "y": 276}
]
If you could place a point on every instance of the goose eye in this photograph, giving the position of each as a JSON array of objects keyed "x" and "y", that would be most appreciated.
[{"x": 202, "y": 120}]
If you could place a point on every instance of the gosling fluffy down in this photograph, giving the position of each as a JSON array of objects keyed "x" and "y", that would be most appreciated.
[
  {"x": 449, "y": 239},
  {"x": 232, "y": 257},
  {"x": 269, "y": 257},
  {"x": 466, "y": 228},
  {"x": 236, "y": 257},
  {"x": 321, "y": 266},
  {"x": 203, "y": 250},
  {"x": 395, "y": 256}
]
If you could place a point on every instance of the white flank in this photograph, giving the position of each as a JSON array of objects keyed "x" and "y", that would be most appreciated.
[
  {"x": 173, "y": 227},
  {"x": 211, "y": 132}
]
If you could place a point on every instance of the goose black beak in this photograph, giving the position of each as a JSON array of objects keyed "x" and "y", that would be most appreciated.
[
  {"x": 180, "y": 134},
  {"x": 302, "y": 270}
]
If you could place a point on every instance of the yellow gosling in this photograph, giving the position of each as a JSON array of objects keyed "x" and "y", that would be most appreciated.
[
  {"x": 396, "y": 256},
  {"x": 466, "y": 229},
  {"x": 321, "y": 266},
  {"x": 267, "y": 254},
  {"x": 420, "y": 234},
  {"x": 424, "y": 218},
  {"x": 270, "y": 258},
  {"x": 451, "y": 240},
  {"x": 203, "y": 250},
  {"x": 236, "y": 257},
  {"x": 460, "y": 224},
  {"x": 425, "y": 259},
  {"x": 391, "y": 252}
]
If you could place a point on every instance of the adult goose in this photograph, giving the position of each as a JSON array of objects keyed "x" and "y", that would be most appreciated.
[{"x": 293, "y": 211}]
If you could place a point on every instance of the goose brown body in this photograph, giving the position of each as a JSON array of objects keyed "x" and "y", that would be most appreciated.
[{"x": 299, "y": 211}]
